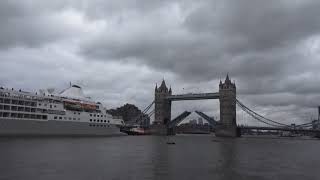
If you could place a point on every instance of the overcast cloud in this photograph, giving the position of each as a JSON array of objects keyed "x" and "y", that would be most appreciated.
[{"x": 118, "y": 50}]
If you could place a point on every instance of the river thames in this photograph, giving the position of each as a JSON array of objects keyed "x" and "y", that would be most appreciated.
[{"x": 149, "y": 157}]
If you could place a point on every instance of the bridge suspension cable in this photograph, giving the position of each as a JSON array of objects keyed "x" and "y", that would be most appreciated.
[
  {"x": 139, "y": 118},
  {"x": 151, "y": 113},
  {"x": 259, "y": 117},
  {"x": 269, "y": 121},
  {"x": 305, "y": 125},
  {"x": 148, "y": 107}
]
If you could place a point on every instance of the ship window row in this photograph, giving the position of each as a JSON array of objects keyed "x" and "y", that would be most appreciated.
[
  {"x": 91, "y": 111},
  {"x": 28, "y": 109},
  {"x": 65, "y": 118},
  {"x": 98, "y": 120},
  {"x": 98, "y": 125},
  {"x": 47, "y": 104},
  {"x": 28, "y": 98},
  {"x": 18, "y": 108},
  {"x": 53, "y": 106},
  {"x": 22, "y": 108},
  {"x": 22, "y": 116},
  {"x": 18, "y": 102},
  {"x": 97, "y": 115},
  {"x": 9, "y": 95},
  {"x": 52, "y": 101}
]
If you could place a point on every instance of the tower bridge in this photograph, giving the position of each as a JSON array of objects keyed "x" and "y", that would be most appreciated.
[{"x": 227, "y": 98}]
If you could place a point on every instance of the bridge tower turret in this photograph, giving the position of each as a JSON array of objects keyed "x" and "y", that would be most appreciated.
[
  {"x": 227, "y": 97},
  {"x": 162, "y": 105}
]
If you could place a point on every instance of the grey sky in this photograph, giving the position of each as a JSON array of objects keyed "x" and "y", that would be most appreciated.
[{"x": 118, "y": 50}]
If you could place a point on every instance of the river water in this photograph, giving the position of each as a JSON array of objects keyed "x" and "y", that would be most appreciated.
[{"x": 149, "y": 157}]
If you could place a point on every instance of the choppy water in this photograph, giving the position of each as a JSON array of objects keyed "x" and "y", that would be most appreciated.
[{"x": 149, "y": 157}]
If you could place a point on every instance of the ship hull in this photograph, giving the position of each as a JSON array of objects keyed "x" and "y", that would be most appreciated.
[{"x": 11, "y": 127}]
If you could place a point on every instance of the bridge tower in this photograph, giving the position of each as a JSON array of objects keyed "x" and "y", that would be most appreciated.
[
  {"x": 227, "y": 98},
  {"x": 162, "y": 105}
]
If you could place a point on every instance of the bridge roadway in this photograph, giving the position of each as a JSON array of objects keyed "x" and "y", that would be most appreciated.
[
  {"x": 279, "y": 129},
  {"x": 193, "y": 96}
]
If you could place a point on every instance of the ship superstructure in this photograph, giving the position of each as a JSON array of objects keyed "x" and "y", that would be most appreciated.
[{"x": 44, "y": 113}]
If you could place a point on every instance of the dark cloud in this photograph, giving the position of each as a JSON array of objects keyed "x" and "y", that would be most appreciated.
[
  {"x": 258, "y": 25},
  {"x": 248, "y": 39},
  {"x": 101, "y": 9},
  {"x": 35, "y": 23}
]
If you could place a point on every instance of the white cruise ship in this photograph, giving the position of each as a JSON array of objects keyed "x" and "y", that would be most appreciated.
[{"x": 68, "y": 113}]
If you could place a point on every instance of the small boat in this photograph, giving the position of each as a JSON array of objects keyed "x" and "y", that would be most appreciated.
[
  {"x": 170, "y": 141},
  {"x": 215, "y": 140},
  {"x": 135, "y": 131}
]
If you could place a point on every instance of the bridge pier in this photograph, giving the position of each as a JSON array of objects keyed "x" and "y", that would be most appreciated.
[
  {"x": 162, "y": 130},
  {"x": 171, "y": 131},
  {"x": 158, "y": 129},
  {"x": 224, "y": 131}
]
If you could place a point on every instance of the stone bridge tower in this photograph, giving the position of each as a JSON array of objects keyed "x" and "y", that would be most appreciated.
[
  {"x": 162, "y": 105},
  {"x": 227, "y": 98}
]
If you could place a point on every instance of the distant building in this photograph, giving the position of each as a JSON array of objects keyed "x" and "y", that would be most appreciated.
[{"x": 200, "y": 121}]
